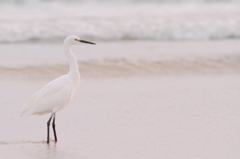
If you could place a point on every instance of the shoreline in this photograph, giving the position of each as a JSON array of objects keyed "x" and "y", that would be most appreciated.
[{"x": 123, "y": 58}]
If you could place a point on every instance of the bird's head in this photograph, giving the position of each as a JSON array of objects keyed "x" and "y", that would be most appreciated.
[{"x": 72, "y": 39}]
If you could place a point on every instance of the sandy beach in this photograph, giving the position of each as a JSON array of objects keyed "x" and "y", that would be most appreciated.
[{"x": 153, "y": 111}]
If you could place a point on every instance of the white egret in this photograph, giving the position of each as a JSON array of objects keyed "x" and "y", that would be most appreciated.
[{"x": 59, "y": 92}]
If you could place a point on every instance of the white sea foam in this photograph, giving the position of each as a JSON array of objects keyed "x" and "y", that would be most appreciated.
[{"x": 119, "y": 20}]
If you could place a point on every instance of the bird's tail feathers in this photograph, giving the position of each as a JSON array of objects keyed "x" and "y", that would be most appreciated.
[{"x": 27, "y": 107}]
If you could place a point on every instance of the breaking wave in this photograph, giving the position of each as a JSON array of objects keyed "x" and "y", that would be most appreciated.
[
  {"x": 52, "y": 21},
  {"x": 128, "y": 29},
  {"x": 135, "y": 1}
]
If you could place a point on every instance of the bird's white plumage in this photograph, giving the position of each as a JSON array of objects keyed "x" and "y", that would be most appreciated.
[
  {"x": 59, "y": 92},
  {"x": 51, "y": 98}
]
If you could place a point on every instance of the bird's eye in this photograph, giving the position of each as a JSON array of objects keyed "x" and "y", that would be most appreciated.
[{"x": 76, "y": 39}]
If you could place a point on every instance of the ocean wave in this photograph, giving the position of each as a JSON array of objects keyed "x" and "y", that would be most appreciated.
[
  {"x": 126, "y": 29},
  {"x": 53, "y": 21},
  {"x": 135, "y": 1},
  {"x": 126, "y": 66}
]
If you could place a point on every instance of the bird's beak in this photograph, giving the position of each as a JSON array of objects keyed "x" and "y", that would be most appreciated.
[{"x": 87, "y": 42}]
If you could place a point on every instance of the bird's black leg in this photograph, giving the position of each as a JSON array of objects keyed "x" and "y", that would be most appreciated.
[
  {"x": 53, "y": 126},
  {"x": 48, "y": 124}
]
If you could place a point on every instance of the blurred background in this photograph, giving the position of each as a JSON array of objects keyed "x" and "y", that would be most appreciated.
[
  {"x": 134, "y": 35},
  {"x": 114, "y": 20}
]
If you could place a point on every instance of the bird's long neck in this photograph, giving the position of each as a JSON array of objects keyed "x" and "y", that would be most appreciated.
[{"x": 73, "y": 71}]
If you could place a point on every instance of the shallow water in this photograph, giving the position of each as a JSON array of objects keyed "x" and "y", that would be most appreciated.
[
  {"x": 122, "y": 58},
  {"x": 174, "y": 116}
]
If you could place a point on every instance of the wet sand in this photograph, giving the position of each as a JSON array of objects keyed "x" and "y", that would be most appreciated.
[{"x": 158, "y": 116}]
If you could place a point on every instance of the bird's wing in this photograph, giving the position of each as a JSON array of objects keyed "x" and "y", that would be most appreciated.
[{"x": 54, "y": 95}]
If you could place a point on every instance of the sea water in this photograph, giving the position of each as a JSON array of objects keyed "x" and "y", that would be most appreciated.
[
  {"x": 51, "y": 20},
  {"x": 132, "y": 36},
  {"x": 122, "y": 58}
]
